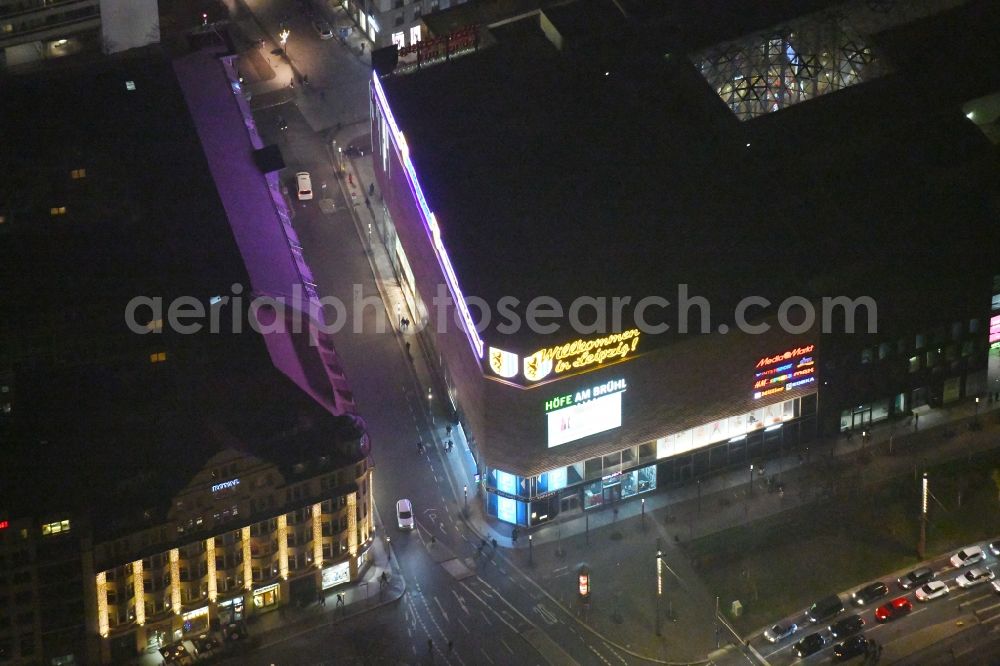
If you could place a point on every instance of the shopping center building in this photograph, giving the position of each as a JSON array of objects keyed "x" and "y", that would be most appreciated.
[{"x": 569, "y": 154}]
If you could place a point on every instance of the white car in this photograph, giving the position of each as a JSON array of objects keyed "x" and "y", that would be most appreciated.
[
  {"x": 780, "y": 632},
  {"x": 931, "y": 590},
  {"x": 974, "y": 577},
  {"x": 404, "y": 515},
  {"x": 304, "y": 182},
  {"x": 967, "y": 556},
  {"x": 323, "y": 29}
]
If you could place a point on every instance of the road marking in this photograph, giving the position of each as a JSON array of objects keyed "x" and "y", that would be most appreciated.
[
  {"x": 463, "y": 624},
  {"x": 441, "y": 608},
  {"x": 506, "y": 646},
  {"x": 613, "y": 651},
  {"x": 446, "y": 508},
  {"x": 486, "y": 655},
  {"x": 599, "y": 655},
  {"x": 546, "y": 614},
  {"x": 461, "y": 601},
  {"x": 483, "y": 613}
]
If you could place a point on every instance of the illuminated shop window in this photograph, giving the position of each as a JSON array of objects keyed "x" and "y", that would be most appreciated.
[
  {"x": 55, "y": 528},
  {"x": 399, "y": 39},
  {"x": 77, "y": 174},
  {"x": 158, "y": 357},
  {"x": 57, "y": 210}
]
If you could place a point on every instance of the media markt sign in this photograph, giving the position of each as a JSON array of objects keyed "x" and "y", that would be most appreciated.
[{"x": 586, "y": 412}]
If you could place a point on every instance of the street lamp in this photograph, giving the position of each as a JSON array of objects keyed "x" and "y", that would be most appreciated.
[
  {"x": 643, "y": 513},
  {"x": 659, "y": 583},
  {"x": 923, "y": 517},
  {"x": 751, "y": 479},
  {"x": 465, "y": 495},
  {"x": 531, "y": 558},
  {"x": 283, "y": 36}
]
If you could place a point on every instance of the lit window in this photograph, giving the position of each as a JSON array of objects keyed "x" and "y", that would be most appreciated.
[
  {"x": 57, "y": 210},
  {"x": 56, "y": 527},
  {"x": 77, "y": 174},
  {"x": 399, "y": 39},
  {"x": 158, "y": 357},
  {"x": 8, "y": 27},
  {"x": 155, "y": 326},
  {"x": 2, "y": 219}
]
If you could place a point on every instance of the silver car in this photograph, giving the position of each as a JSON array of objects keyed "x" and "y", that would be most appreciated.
[{"x": 780, "y": 632}]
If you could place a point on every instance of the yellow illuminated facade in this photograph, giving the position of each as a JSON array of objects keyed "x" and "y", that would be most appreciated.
[
  {"x": 102, "y": 604},
  {"x": 140, "y": 593},
  {"x": 233, "y": 571},
  {"x": 213, "y": 583},
  {"x": 283, "y": 546}
]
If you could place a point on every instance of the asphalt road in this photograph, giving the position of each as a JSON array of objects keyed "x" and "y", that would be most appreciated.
[
  {"x": 489, "y": 611},
  {"x": 956, "y": 628}
]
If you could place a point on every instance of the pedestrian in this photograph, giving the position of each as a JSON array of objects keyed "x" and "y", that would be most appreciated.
[
  {"x": 450, "y": 645},
  {"x": 430, "y": 645},
  {"x": 408, "y": 351},
  {"x": 367, "y": 202},
  {"x": 362, "y": 48},
  {"x": 291, "y": 83},
  {"x": 447, "y": 431},
  {"x": 494, "y": 542},
  {"x": 371, "y": 190}
]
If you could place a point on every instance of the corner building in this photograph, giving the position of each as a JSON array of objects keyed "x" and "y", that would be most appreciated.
[{"x": 574, "y": 154}]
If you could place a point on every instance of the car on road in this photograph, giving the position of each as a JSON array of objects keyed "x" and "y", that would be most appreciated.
[
  {"x": 894, "y": 609},
  {"x": 967, "y": 556},
  {"x": 304, "y": 182},
  {"x": 849, "y": 625},
  {"x": 996, "y": 586},
  {"x": 825, "y": 608},
  {"x": 932, "y": 590},
  {"x": 915, "y": 578},
  {"x": 811, "y": 644},
  {"x": 780, "y": 631},
  {"x": 975, "y": 576},
  {"x": 323, "y": 29},
  {"x": 852, "y": 647},
  {"x": 404, "y": 515},
  {"x": 870, "y": 593},
  {"x": 995, "y": 548}
]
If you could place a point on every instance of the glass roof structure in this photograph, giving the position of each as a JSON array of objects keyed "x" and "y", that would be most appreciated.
[{"x": 807, "y": 57}]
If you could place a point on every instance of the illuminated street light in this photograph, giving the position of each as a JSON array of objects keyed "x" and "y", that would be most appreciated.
[
  {"x": 923, "y": 517},
  {"x": 283, "y": 36}
]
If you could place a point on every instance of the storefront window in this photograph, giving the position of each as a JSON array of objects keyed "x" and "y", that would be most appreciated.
[
  {"x": 593, "y": 494},
  {"x": 612, "y": 462},
  {"x": 266, "y": 597},
  {"x": 507, "y": 509},
  {"x": 592, "y": 468},
  {"x": 647, "y": 452}
]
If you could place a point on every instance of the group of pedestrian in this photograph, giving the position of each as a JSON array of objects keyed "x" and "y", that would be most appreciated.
[{"x": 404, "y": 324}]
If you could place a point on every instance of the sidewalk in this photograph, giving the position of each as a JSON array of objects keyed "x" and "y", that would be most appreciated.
[
  {"x": 672, "y": 514},
  {"x": 286, "y": 622}
]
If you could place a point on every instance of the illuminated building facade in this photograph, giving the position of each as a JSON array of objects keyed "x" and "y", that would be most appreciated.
[
  {"x": 557, "y": 164},
  {"x": 246, "y": 536}
]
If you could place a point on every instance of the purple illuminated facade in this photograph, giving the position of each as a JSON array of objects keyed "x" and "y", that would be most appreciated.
[{"x": 262, "y": 225}]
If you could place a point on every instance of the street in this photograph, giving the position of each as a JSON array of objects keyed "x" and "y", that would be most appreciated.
[{"x": 461, "y": 606}]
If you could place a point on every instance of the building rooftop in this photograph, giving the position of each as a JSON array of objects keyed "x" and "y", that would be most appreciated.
[
  {"x": 616, "y": 169},
  {"x": 96, "y": 423}
]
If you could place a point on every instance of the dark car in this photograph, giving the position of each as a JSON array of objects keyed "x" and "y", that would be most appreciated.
[
  {"x": 846, "y": 627},
  {"x": 870, "y": 593},
  {"x": 852, "y": 647},
  {"x": 916, "y": 578},
  {"x": 825, "y": 608},
  {"x": 811, "y": 644},
  {"x": 894, "y": 609}
]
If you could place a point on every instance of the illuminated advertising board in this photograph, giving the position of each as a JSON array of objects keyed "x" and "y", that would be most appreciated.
[
  {"x": 581, "y": 355},
  {"x": 586, "y": 412},
  {"x": 784, "y": 372},
  {"x": 336, "y": 575},
  {"x": 994, "y": 329}
]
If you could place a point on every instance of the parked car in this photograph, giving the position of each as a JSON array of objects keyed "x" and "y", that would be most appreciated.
[
  {"x": 304, "y": 182},
  {"x": 323, "y": 29},
  {"x": 852, "y": 647},
  {"x": 811, "y": 644},
  {"x": 967, "y": 556},
  {"x": 894, "y": 609},
  {"x": 780, "y": 632},
  {"x": 995, "y": 548},
  {"x": 870, "y": 593},
  {"x": 849, "y": 625},
  {"x": 915, "y": 578},
  {"x": 932, "y": 590},
  {"x": 974, "y": 577},
  {"x": 825, "y": 608},
  {"x": 996, "y": 586},
  {"x": 404, "y": 515}
]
